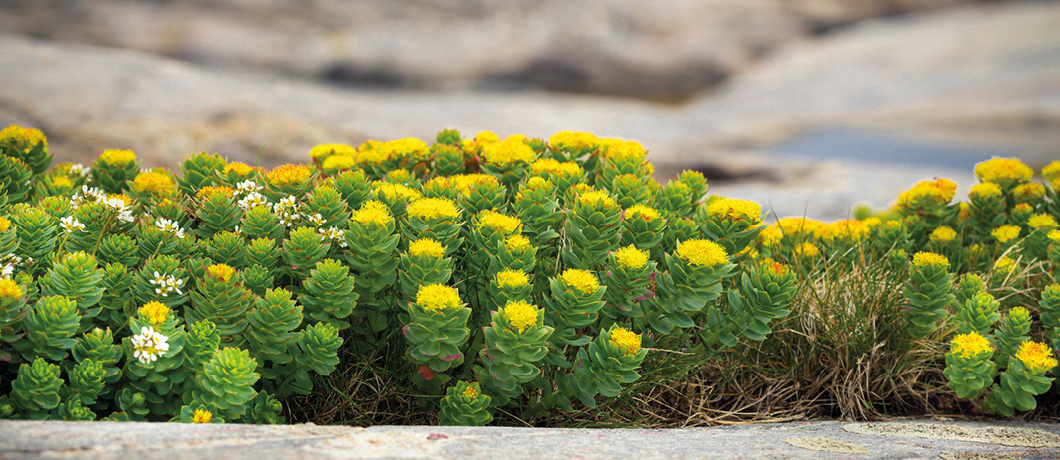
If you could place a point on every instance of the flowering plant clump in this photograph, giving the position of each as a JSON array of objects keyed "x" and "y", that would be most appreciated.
[{"x": 496, "y": 278}]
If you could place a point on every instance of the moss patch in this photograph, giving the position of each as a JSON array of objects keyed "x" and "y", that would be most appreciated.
[
  {"x": 827, "y": 445},
  {"x": 1000, "y": 435},
  {"x": 974, "y": 456}
]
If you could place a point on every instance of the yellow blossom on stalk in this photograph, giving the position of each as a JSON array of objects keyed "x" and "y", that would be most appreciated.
[
  {"x": 631, "y": 257},
  {"x": 289, "y": 174},
  {"x": 625, "y": 340},
  {"x": 702, "y": 252},
  {"x": 1006, "y": 233},
  {"x": 241, "y": 169},
  {"x": 970, "y": 345},
  {"x": 851, "y": 230},
  {"x": 928, "y": 193},
  {"x": 774, "y": 267},
  {"x": 201, "y": 416},
  {"x": 394, "y": 192},
  {"x": 551, "y": 166},
  {"x": 5, "y": 224},
  {"x": 63, "y": 181},
  {"x": 401, "y": 176},
  {"x": 1004, "y": 265},
  {"x": 1051, "y": 171},
  {"x": 536, "y": 182},
  {"x": 123, "y": 197},
  {"x": 618, "y": 148},
  {"x": 470, "y": 392},
  {"x": 517, "y": 243},
  {"x": 793, "y": 226},
  {"x": 1003, "y": 171},
  {"x": 26, "y": 138},
  {"x": 924, "y": 258},
  {"x": 507, "y": 152},
  {"x": 735, "y": 209},
  {"x": 465, "y": 182},
  {"x": 438, "y": 297},
  {"x": 872, "y": 221},
  {"x": 592, "y": 197},
  {"x": 1042, "y": 220},
  {"x": 1036, "y": 357},
  {"x": 221, "y": 272},
  {"x": 509, "y": 278},
  {"x": 9, "y": 289},
  {"x": 117, "y": 157},
  {"x": 153, "y": 181},
  {"x": 985, "y": 190},
  {"x": 155, "y": 312},
  {"x": 943, "y": 234},
  {"x": 402, "y": 148},
  {"x": 499, "y": 222},
  {"x": 806, "y": 250},
  {"x": 338, "y": 163},
  {"x": 572, "y": 140},
  {"x": 771, "y": 235},
  {"x": 211, "y": 190},
  {"x": 1054, "y": 235},
  {"x": 639, "y": 211},
  {"x": 433, "y": 208},
  {"x": 581, "y": 280},
  {"x": 521, "y": 314},
  {"x": 372, "y": 211},
  {"x": 486, "y": 136},
  {"x": 373, "y": 155},
  {"x": 426, "y": 246},
  {"x": 1028, "y": 193},
  {"x": 332, "y": 149}
]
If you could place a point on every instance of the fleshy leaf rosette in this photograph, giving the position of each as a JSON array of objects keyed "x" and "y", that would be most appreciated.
[
  {"x": 927, "y": 293},
  {"x": 271, "y": 322},
  {"x": 516, "y": 338},
  {"x": 372, "y": 243},
  {"x": 593, "y": 227},
  {"x": 329, "y": 295},
  {"x": 1022, "y": 380},
  {"x": 1013, "y": 330},
  {"x": 113, "y": 168},
  {"x": 77, "y": 277},
  {"x": 424, "y": 263},
  {"x": 36, "y": 389},
  {"x": 536, "y": 205},
  {"x": 437, "y": 328},
  {"x": 628, "y": 279},
  {"x": 694, "y": 275},
  {"x": 730, "y": 222},
  {"x": 12, "y": 310},
  {"x": 436, "y": 218},
  {"x": 969, "y": 367},
  {"x": 464, "y": 404},
  {"x": 199, "y": 171},
  {"x": 220, "y": 297},
  {"x": 227, "y": 382},
  {"x": 978, "y": 314},
  {"x": 611, "y": 360},
  {"x": 576, "y": 300},
  {"x": 766, "y": 290},
  {"x": 50, "y": 326}
]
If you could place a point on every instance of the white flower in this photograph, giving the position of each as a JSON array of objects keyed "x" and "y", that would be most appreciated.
[
  {"x": 87, "y": 195},
  {"x": 70, "y": 224},
  {"x": 316, "y": 219},
  {"x": 248, "y": 186},
  {"x": 170, "y": 226},
  {"x": 10, "y": 261},
  {"x": 252, "y": 200},
  {"x": 149, "y": 345},
  {"x": 287, "y": 211},
  {"x": 166, "y": 284},
  {"x": 334, "y": 234},
  {"x": 79, "y": 168}
]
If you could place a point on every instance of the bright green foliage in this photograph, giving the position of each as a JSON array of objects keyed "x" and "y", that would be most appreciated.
[
  {"x": 271, "y": 322},
  {"x": 265, "y": 410},
  {"x": 464, "y": 405},
  {"x": 928, "y": 292},
  {"x": 435, "y": 337},
  {"x": 112, "y": 177},
  {"x": 223, "y": 302},
  {"x": 258, "y": 279},
  {"x": 87, "y": 380},
  {"x": 73, "y": 410},
  {"x": 50, "y": 327},
  {"x": 201, "y": 341},
  {"x": 319, "y": 346},
  {"x": 199, "y": 171},
  {"x": 593, "y": 227},
  {"x": 227, "y": 248},
  {"x": 15, "y": 179},
  {"x": 12, "y": 313},
  {"x": 303, "y": 250},
  {"x": 686, "y": 288},
  {"x": 1050, "y": 307},
  {"x": 119, "y": 248},
  {"x": 36, "y": 390},
  {"x": 353, "y": 186},
  {"x": 227, "y": 382},
  {"x": 98, "y": 346},
  {"x": 483, "y": 195},
  {"x": 261, "y": 222},
  {"x": 628, "y": 290},
  {"x": 513, "y": 349},
  {"x": 77, "y": 277},
  {"x": 329, "y": 295},
  {"x": 1010, "y": 333},
  {"x": 218, "y": 212},
  {"x": 371, "y": 257},
  {"x": 676, "y": 199},
  {"x": 765, "y": 293},
  {"x": 978, "y": 314},
  {"x": 419, "y": 270},
  {"x": 969, "y": 285},
  {"x": 540, "y": 212},
  {"x": 161, "y": 278},
  {"x": 37, "y": 231},
  {"x": 262, "y": 252},
  {"x": 448, "y": 159},
  {"x": 570, "y": 308},
  {"x": 1018, "y": 387},
  {"x": 604, "y": 367},
  {"x": 969, "y": 372}
]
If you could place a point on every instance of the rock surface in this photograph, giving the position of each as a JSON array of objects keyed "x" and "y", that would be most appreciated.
[
  {"x": 656, "y": 49},
  {"x": 163, "y": 441}
]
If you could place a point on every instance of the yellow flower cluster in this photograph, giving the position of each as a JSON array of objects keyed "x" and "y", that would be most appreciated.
[
  {"x": 572, "y": 140},
  {"x": 324, "y": 150},
  {"x": 1036, "y": 357},
  {"x": 153, "y": 181},
  {"x": 581, "y": 280},
  {"x": 846, "y": 230},
  {"x": 1051, "y": 171},
  {"x": 289, "y": 174},
  {"x": 1004, "y": 265},
  {"x": 241, "y": 169},
  {"x": 23, "y": 138},
  {"x": 508, "y": 152},
  {"x": 5, "y": 224},
  {"x": 928, "y": 193},
  {"x": 551, "y": 166},
  {"x": 221, "y": 272},
  {"x": 335, "y": 163},
  {"x": 211, "y": 190},
  {"x": 618, "y": 148},
  {"x": 521, "y": 314},
  {"x": 1029, "y": 193},
  {"x": 408, "y": 147},
  {"x": 463, "y": 183},
  {"x": 507, "y": 225},
  {"x": 433, "y": 208},
  {"x": 1006, "y": 233},
  {"x": 438, "y": 298},
  {"x": 117, "y": 157},
  {"x": 201, "y": 416},
  {"x": 536, "y": 182},
  {"x": 632, "y": 258},
  {"x": 372, "y": 211},
  {"x": 426, "y": 246},
  {"x": 970, "y": 345},
  {"x": 395, "y": 192},
  {"x": 512, "y": 278},
  {"x": 1054, "y": 235},
  {"x": 470, "y": 392},
  {"x": 155, "y": 313},
  {"x": 1003, "y": 171},
  {"x": 795, "y": 226},
  {"x": 735, "y": 209},
  {"x": 1041, "y": 220},
  {"x": 943, "y": 234},
  {"x": 806, "y": 249},
  {"x": 625, "y": 340},
  {"x": 984, "y": 190},
  {"x": 702, "y": 252},
  {"x": 593, "y": 197},
  {"x": 517, "y": 243},
  {"x": 9, "y": 289},
  {"x": 639, "y": 211},
  {"x": 924, "y": 258}
]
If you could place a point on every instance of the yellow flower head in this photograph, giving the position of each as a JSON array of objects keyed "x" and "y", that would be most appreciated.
[
  {"x": 117, "y": 157},
  {"x": 289, "y": 174},
  {"x": 984, "y": 190},
  {"x": 372, "y": 211},
  {"x": 220, "y": 272},
  {"x": 581, "y": 280},
  {"x": 23, "y": 138},
  {"x": 618, "y": 148},
  {"x": 639, "y": 211},
  {"x": 793, "y": 226},
  {"x": 521, "y": 314},
  {"x": 1054, "y": 235},
  {"x": 211, "y": 190},
  {"x": 507, "y": 225},
  {"x": 323, "y": 150},
  {"x": 5, "y": 224},
  {"x": 438, "y": 297},
  {"x": 702, "y": 252},
  {"x": 943, "y": 234},
  {"x": 549, "y": 166},
  {"x": 735, "y": 209},
  {"x": 806, "y": 250},
  {"x": 572, "y": 140},
  {"x": 426, "y": 246},
  {"x": 872, "y": 221},
  {"x": 408, "y": 147},
  {"x": 517, "y": 243},
  {"x": 1029, "y": 193},
  {"x": 773, "y": 267},
  {"x": 153, "y": 181},
  {"x": 771, "y": 235},
  {"x": 1003, "y": 171},
  {"x": 395, "y": 192},
  {"x": 1004, "y": 265},
  {"x": 336, "y": 163},
  {"x": 465, "y": 182},
  {"x": 486, "y": 137},
  {"x": 592, "y": 197},
  {"x": 509, "y": 278},
  {"x": 848, "y": 230},
  {"x": 924, "y": 258},
  {"x": 201, "y": 416},
  {"x": 9, "y": 289},
  {"x": 535, "y": 183},
  {"x": 507, "y": 152},
  {"x": 1036, "y": 357},
  {"x": 1051, "y": 171},
  {"x": 155, "y": 312},
  {"x": 470, "y": 392},
  {"x": 928, "y": 193},
  {"x": 433, "y": 208},
  {"x": 632, "y": 258},
  {"x": 63, "y": 181},
  {"x": 1042, "y": 220},
  {"x": 625, "y": 340},
  {"x": 1006, "y": 233},
  {"x": 241, "y": 169},
  {"x": 970, "y": 345}
]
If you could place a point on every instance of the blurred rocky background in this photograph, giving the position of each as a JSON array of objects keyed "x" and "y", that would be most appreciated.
[{"x": 805, "y": 105}]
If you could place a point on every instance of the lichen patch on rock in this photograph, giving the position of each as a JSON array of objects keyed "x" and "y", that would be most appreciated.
[
  {"x": 1000, "y": 435},
  {"x": 827, "y": 445}
]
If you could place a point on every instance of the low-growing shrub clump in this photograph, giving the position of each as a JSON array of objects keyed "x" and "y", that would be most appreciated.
[{"x": 520, "y": 279}]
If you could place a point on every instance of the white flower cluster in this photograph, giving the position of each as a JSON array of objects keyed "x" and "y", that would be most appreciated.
[
  {"x": 316, "y": 219},
  {"x": 253, "y": 200},
  {"x": 149, "y": 345},
  {"x": 78, "y": 168},
  {"x": 170, "y": 226},
  {"x": 70, "y": 224},
  {"x": 248, "y": 186},
  {"x": 87, "y": 195},
  {"x": 287, "y": 211},
  {"x": 8, "y": 264},
  {"x": 164, "y": 284},
  {"x": 334, "y": 234},
  {"x": 119, "y": 206}
]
